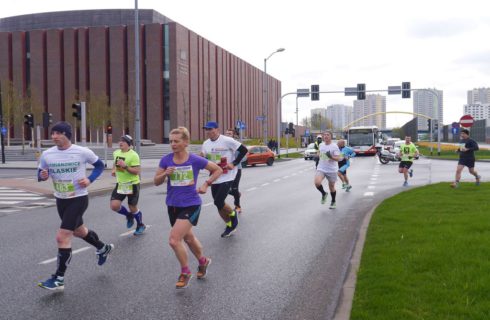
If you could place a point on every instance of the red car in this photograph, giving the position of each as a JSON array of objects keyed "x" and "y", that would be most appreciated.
[{"x": 258, "y": 155}]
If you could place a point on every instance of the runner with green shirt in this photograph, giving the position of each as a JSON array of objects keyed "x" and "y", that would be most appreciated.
[
  {"x": 127, "y": 169},
  {"x": 408, "y": 151}
]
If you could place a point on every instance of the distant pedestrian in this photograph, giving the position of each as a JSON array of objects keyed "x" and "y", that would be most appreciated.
[
  {"x": 127, "y": 170},
  {"x": 222, "y": 150},
  {"x": 466, "y": 150},
  {"x": 408, "y": 152},
  {"x": 66, "y": 163},
  {"x": 181, "y": 169},
  {"x": 235, "y": 192},
  {"x": 318, "y": 141}
]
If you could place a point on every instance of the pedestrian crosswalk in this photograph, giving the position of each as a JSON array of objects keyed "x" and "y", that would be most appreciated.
[{"x": 15, "y": 200}]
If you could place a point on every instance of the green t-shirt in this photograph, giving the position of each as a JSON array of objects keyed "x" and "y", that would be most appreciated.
[
  {"x": 408, "y": 151},
  {"x": 132, "y": 159}
]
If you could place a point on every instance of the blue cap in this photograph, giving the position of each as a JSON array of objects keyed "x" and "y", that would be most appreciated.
[{"x": 211, "y": 125}]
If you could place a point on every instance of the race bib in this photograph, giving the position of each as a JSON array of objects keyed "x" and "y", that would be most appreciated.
[
  {"x": 182, "y": 176},
  {"x": 64, "y": 188},
  {"x": 214, "y": 157},
  {"x": 125, "y": 188}
]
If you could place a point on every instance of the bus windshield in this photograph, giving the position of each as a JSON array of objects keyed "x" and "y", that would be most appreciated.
[{"x": 361, "y": 139}]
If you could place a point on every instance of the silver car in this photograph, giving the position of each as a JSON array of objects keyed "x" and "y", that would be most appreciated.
[{"x": 310, "y": 152}]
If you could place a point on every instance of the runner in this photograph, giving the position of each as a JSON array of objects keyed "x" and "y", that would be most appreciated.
[
  {"x": 466, "y": 152},
  {"x": 317, "y": 147},
  {"x": 329, "y": 155},
  {"x": 235, "y": 192},
  {"x": 66, "y": 163},
  {"x": 345, "y": 154},
  {"x": 408, "y": 151},
  {"x": 183, "y": 201},
  {"x": 221, "y": 150},
  {"x": 127, "y": 170}
]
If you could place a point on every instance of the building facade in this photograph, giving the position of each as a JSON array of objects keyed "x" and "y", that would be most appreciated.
[
  {"x": 478, "y": 111},
  {"x": 478, "y": 96},
  {"x": 426, "y": 103},
  {"x": 54, "y": 59},
  {"x": 340, "y": 115},
  {"x": 374, "y": 103}
]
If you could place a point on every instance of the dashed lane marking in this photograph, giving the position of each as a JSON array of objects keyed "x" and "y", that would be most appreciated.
[
  {"x": 368, "y": 194},
  {"x": 251, "y": 189},
  {"x": 73, "y": 252},
  {"x": 130, "y": 232}
]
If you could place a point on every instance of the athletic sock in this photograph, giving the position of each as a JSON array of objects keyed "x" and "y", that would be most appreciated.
[
  {"x": 93, "y": 239},
  {"x": 333, "y": 194},
  {"x": 64, "y": 258},
  {"x": 123, "y": 211},
  {"x": 139, "y": 217},
  {"x": 202, "y": 260},
  {"x": 186, "y": 270},
  {"x": 320, "y": 188}
]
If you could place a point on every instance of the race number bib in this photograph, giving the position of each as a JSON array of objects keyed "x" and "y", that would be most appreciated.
[
  {"x": 182, "y": 176},
  {"x": 64, "y": 188},
  {"x": 214, "y": 157},
  {"x": 125, "y": 188}
]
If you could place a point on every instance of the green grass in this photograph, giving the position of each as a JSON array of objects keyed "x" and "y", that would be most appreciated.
[
  {"x": 449, "y": 154},
  {"x": 427, "y": 256},
  {"x": 292, "y": 155}
]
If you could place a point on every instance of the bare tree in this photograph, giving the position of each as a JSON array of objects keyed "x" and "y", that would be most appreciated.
[
  {"x": 98, "y": 112},
  {"x": 12, "y": 103}
]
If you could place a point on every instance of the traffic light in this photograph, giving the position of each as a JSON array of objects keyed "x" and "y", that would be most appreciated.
[
  {"x": 406, "y": 90},
  {"x": 315, "y": 92},
  {"x": 109, "y": 129},
  {"x": 47, "y": 119},
  {"x": 361, "y": 91},
  {"x": 287, "y": 131},
  {"x": 429, "y": 124},
  {"x": 77, "y": 110},
  {"x": 29, "y": 120}
]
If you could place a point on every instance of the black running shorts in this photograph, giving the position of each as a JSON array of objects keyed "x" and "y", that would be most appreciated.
[
  {"x": 405, "y": 164},
  {"x": 71, "y": 211},
  {"x": 470, "y": 163},
  {"x": 186, "y": 213},
  {"x": 132, "y": 198},
  {"x": 220, "y": 192}
]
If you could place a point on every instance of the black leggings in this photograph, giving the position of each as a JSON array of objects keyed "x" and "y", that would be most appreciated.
[{"x": 234, "y": 188}]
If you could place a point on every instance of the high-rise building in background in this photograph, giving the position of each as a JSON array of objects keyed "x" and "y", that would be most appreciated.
[
  {"x": 478, "y": 96},
  {"x": 478, "y": 111},
  {"x": 374, "y": 103},
  {"x": 426, "y": 103},
  {"x": 340, "y": 115}
]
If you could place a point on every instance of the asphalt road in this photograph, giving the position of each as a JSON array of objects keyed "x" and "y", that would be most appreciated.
[{"x": 287, "y": 260}]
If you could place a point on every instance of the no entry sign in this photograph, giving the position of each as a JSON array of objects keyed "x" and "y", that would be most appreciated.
[{"x": 466, "y": 121}]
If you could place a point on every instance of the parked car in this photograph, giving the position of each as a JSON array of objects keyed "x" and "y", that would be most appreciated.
[
  {"x": 258, "y": 155},
  {"x": 310, "y": 152}
]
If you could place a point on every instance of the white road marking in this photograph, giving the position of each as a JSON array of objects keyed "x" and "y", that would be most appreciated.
[
  {"x": 8, "y": 210},
  {"x": 264, "y": 184},
  {"x": 10, "y": 202},
  {"x": 130, "y": 232},
  {"x": 73, "y": 252},
  {"x": 285, "y": 177},
  {"x": 371, "y": 187},
  {"x": 251, "y": 189},
  {"x": 276, "y": 180},
  {"x": 20, "y": 198},
  {"x": 368, "y": 194}
]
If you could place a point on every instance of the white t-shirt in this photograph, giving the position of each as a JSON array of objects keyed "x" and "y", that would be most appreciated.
[
  {"x": 66, "y": 167},
  {"x": 325, "y": 164},
  {"x": 223, "y": 147}
]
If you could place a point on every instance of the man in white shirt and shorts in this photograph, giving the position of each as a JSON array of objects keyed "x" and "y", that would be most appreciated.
[{"x": 329, "y": 154}]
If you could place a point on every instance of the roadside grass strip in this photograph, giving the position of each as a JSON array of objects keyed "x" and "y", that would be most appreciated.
[
  {"x": 427, "y": 256},
  {"x": 449, "y": 152}
]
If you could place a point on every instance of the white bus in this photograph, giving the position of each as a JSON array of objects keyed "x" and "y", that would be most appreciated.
[{"x": 363, "y": 139}]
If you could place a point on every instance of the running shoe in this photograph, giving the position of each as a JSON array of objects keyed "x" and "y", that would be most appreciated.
[
  {"x": 234, "y": 219},
  {"x": 348, "y": 187},
  {"x": 202, "y": 270},
  {"x": 333, "y": 205},
  {"x": 103, "y": 253},
  {"x": 139, "y": 230},
  {"x": 410, "y": 173},
  {"x": 324, "y": 198},
  {"x": 129, "y": 220},
  {"x": 183, "y": 281},
  {"x": 344, "y": 185},
  {"x": 478, "y": 180},
  {"x": 55, "y": 283},
  {"x": 228, "y": 232},
  {"x": 454, "y": 185},
  {"x": 405, "y": 184}
]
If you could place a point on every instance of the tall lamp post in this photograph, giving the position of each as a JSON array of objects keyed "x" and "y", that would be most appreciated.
[
  {"x": 265, "y": 96},
  {"x": 137, "y": 122}
]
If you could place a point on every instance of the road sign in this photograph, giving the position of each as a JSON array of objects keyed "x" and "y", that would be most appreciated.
[
  {"x": 466, "y": 121},
  {"x": 260, "y": 118},
  {"x": 394, "y": 89},
  {"x": 307, "y": 132},
  {"x": 455, "y": 130},
  {"x": 350, "y": 91},
  {"x": 303, "y": 92},
  {"x": 4, "y": 130},
  {"x": 455, "y": 124}
]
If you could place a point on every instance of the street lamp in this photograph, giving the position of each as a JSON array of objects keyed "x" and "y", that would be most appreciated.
[{"x": 265, "y": 97}]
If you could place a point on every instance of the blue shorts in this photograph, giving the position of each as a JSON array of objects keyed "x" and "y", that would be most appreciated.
[{"x": 343, "y": 165}]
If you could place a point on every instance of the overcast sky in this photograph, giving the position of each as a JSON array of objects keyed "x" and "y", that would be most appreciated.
[{"x": 336, "y": 44}]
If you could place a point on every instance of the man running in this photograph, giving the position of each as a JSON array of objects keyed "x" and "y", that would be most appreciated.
[
  {"x": 408, "y": 151},
  {"x": 66, "y": 163},
  {"x": 317, "y": 148},
  {"x": 345, "y": 154},
  {"x": 235, "y": 192},
  {"x": 221, "y": 150},
  {"x": 127, "y": 170},
  {"x": 183, "y": 201},
  {"x": 329, "y": 155},
  {"x": 466, "y": 152}
]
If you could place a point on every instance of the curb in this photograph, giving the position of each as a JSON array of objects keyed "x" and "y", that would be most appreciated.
[{"x": 344, "y": 307}]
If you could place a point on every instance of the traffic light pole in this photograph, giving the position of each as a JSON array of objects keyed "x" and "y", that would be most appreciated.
[
  {"x": 83, "y": 129},
  {"x": 1, "y": 126}
]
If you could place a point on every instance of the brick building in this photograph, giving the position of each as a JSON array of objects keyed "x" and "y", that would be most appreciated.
[{"x": 58, "y": 58}]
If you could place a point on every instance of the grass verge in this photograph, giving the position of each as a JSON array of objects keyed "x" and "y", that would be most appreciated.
[
  {"x": 448, "y": 151},
  {"x": 426, "y": 256}
]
